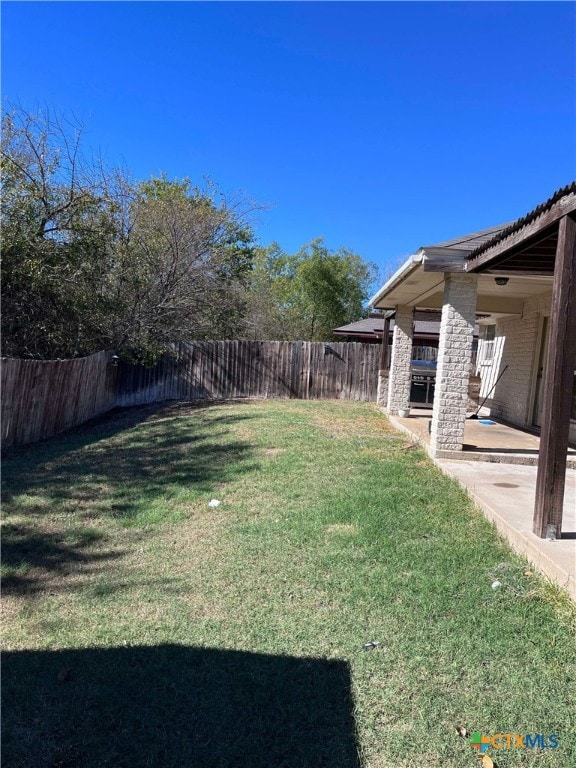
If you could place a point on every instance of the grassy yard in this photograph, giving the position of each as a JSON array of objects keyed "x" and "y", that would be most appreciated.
[{"x": 143, "y": 627}]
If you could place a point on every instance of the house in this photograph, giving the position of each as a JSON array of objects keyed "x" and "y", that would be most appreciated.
[
  {"x": 425, "y": 337},
  {"x": 369, "y": 331},
  {"x": 521, "y": 277}
]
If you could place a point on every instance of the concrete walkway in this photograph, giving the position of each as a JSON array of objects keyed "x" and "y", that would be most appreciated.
[
  {"x": 503, "y": 484},
  {"x": 505, "y": 493}
]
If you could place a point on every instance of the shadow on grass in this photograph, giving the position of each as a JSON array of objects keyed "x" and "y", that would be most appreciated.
[
  {"x": 27, "y": 551},
  {"x": 115, "y": 423},
  {"x": 176, "y": 707},
  {"x": 138, "y": 467}
]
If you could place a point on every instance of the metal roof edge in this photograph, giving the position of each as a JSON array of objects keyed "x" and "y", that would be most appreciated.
[{"x": 516, "y": 226}]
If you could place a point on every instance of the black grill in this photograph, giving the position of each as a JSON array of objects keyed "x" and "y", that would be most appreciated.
[{"x": 423, "y": 381}]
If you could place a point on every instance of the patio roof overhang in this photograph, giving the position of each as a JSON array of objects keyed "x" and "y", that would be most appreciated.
[
  {"x": 529, "y": 246},
  {"x": 524, "y": 252},
  {"x": 416, "y": 285}
]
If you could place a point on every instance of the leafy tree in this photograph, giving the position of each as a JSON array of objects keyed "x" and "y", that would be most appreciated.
[
  {"x": 264, "y": 315},
  {"x": 306, "y": 295},
  {"x": 92, "y": 260},
  {"x": 180, "y": 266},
  {"x": 56, "y": 225}
]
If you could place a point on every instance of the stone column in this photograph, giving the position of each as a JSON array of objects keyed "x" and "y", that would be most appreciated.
[
  {"x": 400, "y": 374},
  {"x": 382, "y": 392},
  {"x": 454, "y": 360}
]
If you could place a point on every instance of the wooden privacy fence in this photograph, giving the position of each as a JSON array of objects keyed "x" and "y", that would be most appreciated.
[
  {"x": 235, "y": 369},
  {"x": 41, "y": 398}
]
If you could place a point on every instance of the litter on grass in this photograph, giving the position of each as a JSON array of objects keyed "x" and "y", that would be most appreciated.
[
  {"x": 370, "y": 645},
  {"x": 496, "y": 584},
  {"x": 214, "y": 503}
]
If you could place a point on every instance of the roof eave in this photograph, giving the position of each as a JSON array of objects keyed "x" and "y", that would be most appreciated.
[{"x": 409, "y": 266}]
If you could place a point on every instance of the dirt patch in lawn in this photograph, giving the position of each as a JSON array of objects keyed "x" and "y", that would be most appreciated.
[
  {"x": 348, "y": 425},
  {"x": 345, "y": 529},
  {"x": 272, "y": 453}
]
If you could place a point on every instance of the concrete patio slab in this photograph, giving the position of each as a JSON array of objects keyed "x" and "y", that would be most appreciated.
[
  {"x": 495, "y": 442},
  {"x": 498, "y": 468},
  {"x": 506, "y": 495}
]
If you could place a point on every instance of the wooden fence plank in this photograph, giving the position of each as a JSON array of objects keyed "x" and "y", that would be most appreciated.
[
  {"x": 41, "y": 398},
  {"x": 239, "y": 369}
]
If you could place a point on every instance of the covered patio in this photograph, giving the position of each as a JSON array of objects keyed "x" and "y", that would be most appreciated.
[
  {"x": 484, "y": 439},
  {"x": 520, "y": 279}
]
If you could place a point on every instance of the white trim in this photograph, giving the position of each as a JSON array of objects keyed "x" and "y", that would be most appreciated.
[{"x": 409, "y": 266}]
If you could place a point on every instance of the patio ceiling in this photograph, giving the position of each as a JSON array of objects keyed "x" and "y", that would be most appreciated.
[{"x": 425, "y": 290}]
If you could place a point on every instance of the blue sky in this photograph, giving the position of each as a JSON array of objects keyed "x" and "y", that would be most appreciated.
[{"x": 378, "y": 126}]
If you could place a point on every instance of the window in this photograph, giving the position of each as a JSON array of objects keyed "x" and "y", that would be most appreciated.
[{"x": 488, "y": 337}]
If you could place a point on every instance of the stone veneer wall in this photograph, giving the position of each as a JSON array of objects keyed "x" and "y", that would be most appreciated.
[
  {"x": 382, "y": 391},
  {"x": 454, "y": 361},
  {"x": 400, "y": 376}
]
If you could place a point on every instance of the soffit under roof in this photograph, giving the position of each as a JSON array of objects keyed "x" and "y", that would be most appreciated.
[{"x": 425, "y": 290}]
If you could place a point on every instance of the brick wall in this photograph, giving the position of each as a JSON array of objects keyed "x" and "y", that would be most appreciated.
[
  {"x": 517, "y": 344},
  {"x": 517, "y": 347}
]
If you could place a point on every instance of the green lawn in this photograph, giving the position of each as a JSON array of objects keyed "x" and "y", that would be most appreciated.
[{"x": 144, "y": 628}]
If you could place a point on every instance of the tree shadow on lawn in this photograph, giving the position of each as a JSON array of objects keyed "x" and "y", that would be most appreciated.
[
  {"x": 28, "y": 554},
  {"x": 173, "y": 706},
  {"x": 137, "y": 466}
]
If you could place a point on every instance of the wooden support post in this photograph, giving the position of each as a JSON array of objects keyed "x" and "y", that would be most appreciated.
[
  {"x": 385, "y": 348},
  {"x": 384, "y": 366},
  {"x": 560, "y": 364}
]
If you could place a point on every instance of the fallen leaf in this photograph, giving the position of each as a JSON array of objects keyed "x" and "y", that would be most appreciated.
[
  {"x": 487, "y": 762},
  {"x": 461, "y": 731},
  {"x": 528, "y": 573}
]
